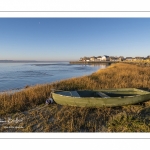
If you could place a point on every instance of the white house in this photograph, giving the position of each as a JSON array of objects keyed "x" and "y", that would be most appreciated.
[
  {"x": 93, "y": 58},
  {"x": 129, "y": 59},
  {"x": 87, "y": 59},
  {"x": 99, "y": 58},
  {"x": 121, "y": 58},
  {"x": 105, "y": 58},
  {"x": 139, "y": 58}
]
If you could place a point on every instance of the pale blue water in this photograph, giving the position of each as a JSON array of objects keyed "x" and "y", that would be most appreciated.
[{"x": 18, "y": 75}]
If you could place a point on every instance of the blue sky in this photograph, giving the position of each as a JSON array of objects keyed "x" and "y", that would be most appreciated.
[{"x": 68, "y": 39}]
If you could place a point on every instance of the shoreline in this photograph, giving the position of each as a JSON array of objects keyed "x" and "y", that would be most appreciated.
[
  {"x": 93, "y": 62},
  {"x": 11, "y": 91},
  {"x": 107, "y": 63},
  {"x": 141, "y": 63}
]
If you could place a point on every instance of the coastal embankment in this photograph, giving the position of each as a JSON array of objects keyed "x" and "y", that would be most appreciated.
[
  {"x": 93, "y": 62},
  {"x": 28, "y": 105},
  {"x": 140, "y": 63}
]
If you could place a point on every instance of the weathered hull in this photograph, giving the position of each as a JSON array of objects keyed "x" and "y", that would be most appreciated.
[{"x": 140, "y": 96}]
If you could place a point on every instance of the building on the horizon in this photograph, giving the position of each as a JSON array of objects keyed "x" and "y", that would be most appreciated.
[
  {"x": 99, "y": 58},
  {"x": 105, "y": 58},
  {"x": 114, "y": 58},
  {"x": 121, "y": 58},
  {"x": 84, "y": 59},
  {"x": 93, "y": 58},
  {"x": 129, "y": 58},
  {"x": 139, "y": 58}
]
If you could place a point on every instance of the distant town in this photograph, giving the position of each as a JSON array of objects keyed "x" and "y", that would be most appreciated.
[{"x": 113, "y": 58}]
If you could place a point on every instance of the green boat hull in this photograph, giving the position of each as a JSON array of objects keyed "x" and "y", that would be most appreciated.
[{"x": 87, "y": 98}]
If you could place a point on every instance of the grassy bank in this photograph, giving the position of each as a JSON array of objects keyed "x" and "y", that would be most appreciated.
[{"x": 29, "y": 105}]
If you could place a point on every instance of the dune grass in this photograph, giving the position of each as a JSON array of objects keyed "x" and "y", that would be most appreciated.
[{"x": 29, "y": 105}]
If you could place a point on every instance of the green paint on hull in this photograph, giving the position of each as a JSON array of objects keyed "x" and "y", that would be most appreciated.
[{"x": 117, "y": 97}]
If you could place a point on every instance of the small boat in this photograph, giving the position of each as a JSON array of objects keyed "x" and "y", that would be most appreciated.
[{"x": 100, "y": 98}]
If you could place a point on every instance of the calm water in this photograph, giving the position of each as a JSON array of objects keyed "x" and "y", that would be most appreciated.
[{"x": 18, "y": 75}]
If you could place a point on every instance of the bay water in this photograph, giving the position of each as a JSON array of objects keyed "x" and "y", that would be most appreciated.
[{"x": 15, "y": 76}]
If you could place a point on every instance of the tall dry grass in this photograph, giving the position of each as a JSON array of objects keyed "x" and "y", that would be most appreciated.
[
  {"x": 27, "y": 98},
  {"x": 122, "y": 76}
]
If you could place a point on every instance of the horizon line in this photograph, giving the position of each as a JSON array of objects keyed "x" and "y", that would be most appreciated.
[{"x": 32, "y": 60}]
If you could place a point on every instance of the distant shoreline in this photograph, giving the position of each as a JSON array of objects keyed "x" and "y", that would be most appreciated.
[
  {"x": 27, "y": 61},
  {"x": 93, "y": 62}
]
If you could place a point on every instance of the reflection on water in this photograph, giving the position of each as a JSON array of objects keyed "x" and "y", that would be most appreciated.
[
  {"x": 52, "y": 64},
  {"x": 18, "y": 75},
  {"x": 102, "y": 65}
]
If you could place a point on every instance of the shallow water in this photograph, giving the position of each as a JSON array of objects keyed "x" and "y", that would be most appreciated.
[{"x": 18, "y": 75}]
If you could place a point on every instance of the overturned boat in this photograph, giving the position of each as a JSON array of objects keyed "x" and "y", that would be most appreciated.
[{"x": 100, "y": 98}]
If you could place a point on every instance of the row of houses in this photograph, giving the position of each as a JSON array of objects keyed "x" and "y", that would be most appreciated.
[
  {"x": 102, "y": 58},
  {"x": 113, "y": 58}
]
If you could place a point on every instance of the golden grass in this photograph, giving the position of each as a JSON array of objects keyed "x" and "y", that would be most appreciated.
[
  {"x": 122, "y": 76},
  {"x": 29, "y": 104}
]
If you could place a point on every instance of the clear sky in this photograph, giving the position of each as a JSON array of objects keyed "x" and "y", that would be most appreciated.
[{"x": 71, "y": 38}]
